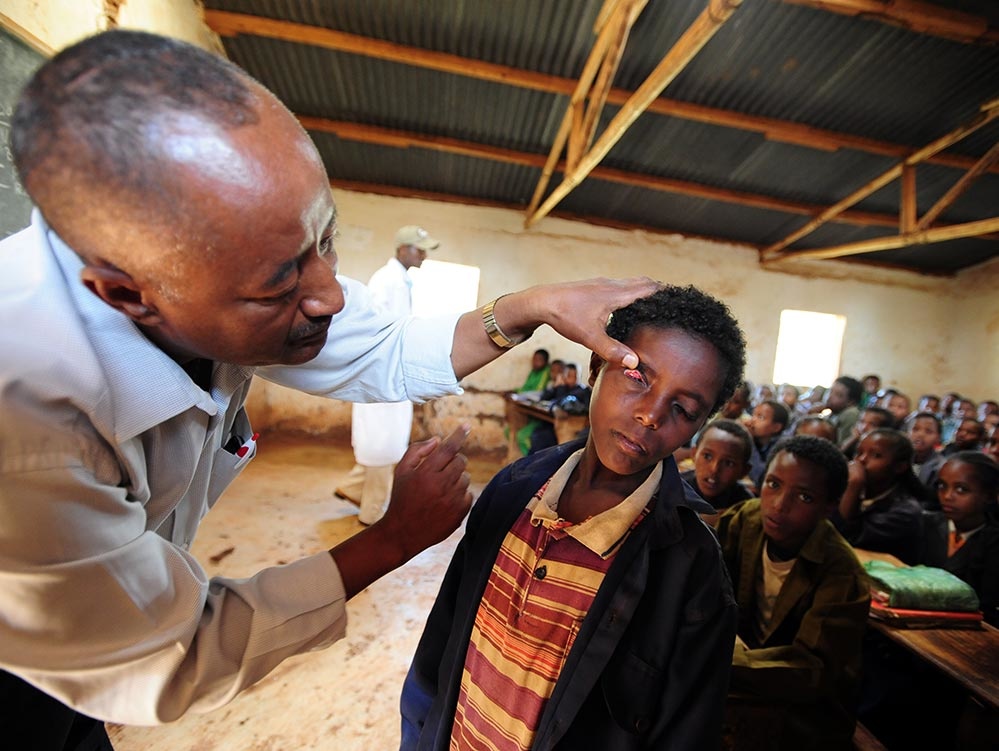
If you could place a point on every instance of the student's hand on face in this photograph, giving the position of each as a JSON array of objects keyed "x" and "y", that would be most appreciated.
[
  {"x": 579, "y": 311},
  {"x": 857, "y": 475},
  {"x": 430, "y": 493}
]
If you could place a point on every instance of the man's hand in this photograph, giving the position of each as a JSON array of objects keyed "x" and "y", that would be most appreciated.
[
  {"x": 430, "y": 494},
  {"x": 430, "y": 497},
  {"x": 576, "y": 310}
]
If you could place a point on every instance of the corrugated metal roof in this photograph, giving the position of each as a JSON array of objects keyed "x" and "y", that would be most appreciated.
[{"x": 772, "y": 59}]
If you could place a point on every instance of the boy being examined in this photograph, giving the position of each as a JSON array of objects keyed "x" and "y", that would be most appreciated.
[
  {"x": 768, "y": 422},
  {"x": 587, "y": 605},
  {"x": 803, "y": 597},
  {"x": 721, "y": 459}
]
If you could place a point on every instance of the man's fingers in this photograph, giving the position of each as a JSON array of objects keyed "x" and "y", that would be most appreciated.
[
  {"x": 417, "y": 453},
  {"x": 449, "y": 447},
  {"x": 614, "y": 351}
]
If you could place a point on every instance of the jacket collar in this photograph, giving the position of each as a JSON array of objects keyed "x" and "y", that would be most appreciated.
[{"x": 672, "y": 495}]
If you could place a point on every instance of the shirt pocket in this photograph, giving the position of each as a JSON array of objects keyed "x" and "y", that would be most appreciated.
[
  {"x": 225, "y": 468},
  {"x": 632, "y": 689}
]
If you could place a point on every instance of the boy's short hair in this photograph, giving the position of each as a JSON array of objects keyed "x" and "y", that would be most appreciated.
[
  {"x": 732, "y": 428},
  {"x": 928, "y": 416},
  {"x": 821, "y": 452},
  {"x": 812, "y": 419},
  {"x": 854, "y": 388},
  {"x": 884, "y": 414},
  {"x": 778, "y": 411},
  {"x": 697, "y": 314},
  {"x": 543, "y": 353}
]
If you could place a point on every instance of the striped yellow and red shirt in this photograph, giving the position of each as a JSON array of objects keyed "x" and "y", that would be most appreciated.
[{"x": 543, "y": 581}]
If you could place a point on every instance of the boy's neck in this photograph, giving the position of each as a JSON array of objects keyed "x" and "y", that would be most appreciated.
[
  {"x": 920, "y": 457},
  {"x": 778, "y": 554},
  {"x": 593, "y": 489}
]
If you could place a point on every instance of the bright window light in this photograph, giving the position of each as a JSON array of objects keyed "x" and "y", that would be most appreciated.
[
  {"x": 809, "y": 346},
  {"x": 442, "y": 287}
]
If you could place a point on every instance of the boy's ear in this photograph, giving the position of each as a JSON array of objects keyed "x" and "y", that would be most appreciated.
[
  {"x": 596, "y": 363},
  {"x": 120, "y": 291}
]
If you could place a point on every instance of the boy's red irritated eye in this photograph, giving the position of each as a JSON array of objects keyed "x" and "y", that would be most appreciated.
[{"x": 635, "y": 375}]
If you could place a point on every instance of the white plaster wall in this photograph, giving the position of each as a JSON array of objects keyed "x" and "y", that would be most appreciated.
[
  {"x": 920, "y": 333},
  {"x": 50, "y": 25}
]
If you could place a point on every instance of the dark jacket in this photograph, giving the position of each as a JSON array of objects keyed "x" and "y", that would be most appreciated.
[
  {"x": 976, "y": 562},
  {"x": 893, "y": 525},
  {"x": 809, "y": 658},
  {"x": 649, "y": 666}
]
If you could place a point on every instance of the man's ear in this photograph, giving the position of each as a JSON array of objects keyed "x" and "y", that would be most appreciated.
[
  {"x": 121, "y": 292},
  {"x": 596, "y": 363}
]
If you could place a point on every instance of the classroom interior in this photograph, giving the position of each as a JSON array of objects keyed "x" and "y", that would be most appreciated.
[{"x": 921, "y": 332}]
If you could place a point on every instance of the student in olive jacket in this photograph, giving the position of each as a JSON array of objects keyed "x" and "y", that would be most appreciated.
[{"x": 803, "y": 598}]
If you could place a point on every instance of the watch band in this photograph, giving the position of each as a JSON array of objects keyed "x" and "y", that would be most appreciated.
[{"x": 492, "y": 328}]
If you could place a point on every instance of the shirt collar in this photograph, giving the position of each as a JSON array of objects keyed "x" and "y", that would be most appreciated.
[
  {"x": 604, "y": 533},
  {"x": 148, "y": 387}
]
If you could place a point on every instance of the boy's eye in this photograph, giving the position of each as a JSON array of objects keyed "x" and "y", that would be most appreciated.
[
  {"x": 772, "y": 484},
  {"x": 635, "y": 375},
  {"x": 805, "y": 497}
]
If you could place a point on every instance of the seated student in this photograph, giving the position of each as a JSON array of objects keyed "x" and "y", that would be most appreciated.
[
  {"x": 929, "y": 403},
  {"x": 721, "y": 459},
  {"x": 962, "y": 409},
  {"x": 871, "y": 385},
  {"x": 870, "y": 418},
  {"x": 898, "y": 405},
  {"x": 789, "y": 396},
  {"x": 924, "y": 433},
  {"x": 968, "y": 437},
  {"x": 535, "y": 383},
  {"x": 816, "y": 426},
  {"x": 587, "y": 606},
  {"x": 803, "y": 597},
  {"x": 963, "y": 537},
  {"x": 880, "y": 509},
  {"x": 556, "y": 373},
  {"x": 768, "y": 422},
  {"x": 842, "y": 401},
  {"x": 570, "y": 396},
  {"x": 991, "y": 447}
]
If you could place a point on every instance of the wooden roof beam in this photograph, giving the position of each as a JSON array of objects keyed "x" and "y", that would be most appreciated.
[
  {"x": 403, "y": 139},
  {"x": 714, "y": 15},
  {"x": 978, "y": 228},
  {"x": 606, "y": 31},
  {"x": 989, "y": 112},
  {"x": 958, "y": 189},
  {"x": 919, "y": 17},
  {"x": 230, "y": 24}
]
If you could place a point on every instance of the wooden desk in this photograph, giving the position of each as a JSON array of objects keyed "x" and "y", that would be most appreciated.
[
  {"x": 518, "y": 412},
  {"x": 968, "y": 656}
]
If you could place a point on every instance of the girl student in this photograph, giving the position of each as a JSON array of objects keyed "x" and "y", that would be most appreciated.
[
  {"x": 880, "y": 510},
  {"x": 963, "y": 537}
]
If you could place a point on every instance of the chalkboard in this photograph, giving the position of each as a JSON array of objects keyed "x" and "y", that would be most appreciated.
[{"x": 17, "y": 63}]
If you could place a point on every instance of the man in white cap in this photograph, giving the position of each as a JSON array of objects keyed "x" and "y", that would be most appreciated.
[{"x": 380, "y": 432}]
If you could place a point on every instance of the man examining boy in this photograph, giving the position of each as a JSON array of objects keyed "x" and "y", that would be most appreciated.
[
  {"x": 587, "y": 605},
  {"x": 803, "y": 597},
  {"x": 183, "y": 238}
]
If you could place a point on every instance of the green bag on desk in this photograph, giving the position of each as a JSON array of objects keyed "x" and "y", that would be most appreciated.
[{"x": 920, "y": 588}]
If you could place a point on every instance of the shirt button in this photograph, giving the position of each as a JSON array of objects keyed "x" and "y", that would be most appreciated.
[{"x": 541, "y": 572}]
